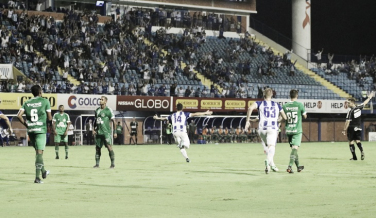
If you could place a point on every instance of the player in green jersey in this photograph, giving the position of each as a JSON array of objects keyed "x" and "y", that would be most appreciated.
[
  {"x": 60, "y": 123},
  {"x": 294, "y": 131},
  {"x": 102, "y": 131},
  {"x": 37, "y": 111},
  {"x": 119, "y": 132}
]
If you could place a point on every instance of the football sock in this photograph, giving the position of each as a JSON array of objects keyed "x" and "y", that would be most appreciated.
[
  {"x": 97, "y": 156},
  {"x": 112, "y": 157},
  {"x": 292, "y": 157},
  {"x": 352, "y": 149},
  {"x": 66, "y": 150},
  {"x": 57, "y": 149},
  {"x": 38, "y": 165},
  {"x": 359, "y": 146},
  {"x": 184, "y": 153},
  {"x": 136, "y": 140},
  {"x": 266, "y": 151},
  {"x": 297, "y": 159},
  {"x": 271, "y": 155}
]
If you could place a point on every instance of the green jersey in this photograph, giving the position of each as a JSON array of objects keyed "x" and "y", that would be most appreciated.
[
  {"x": 61, "y": 122},
  {"x": 36, "y": 114},
  {"x": 294, "y": 111},
  {"x": 103, "y": 119},
  {"x": 119, "y": 129}
]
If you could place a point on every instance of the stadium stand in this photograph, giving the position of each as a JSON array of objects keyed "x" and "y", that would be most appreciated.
[
  {"x": 124, "y": 57},
  {"x": 349, "y": 80}
]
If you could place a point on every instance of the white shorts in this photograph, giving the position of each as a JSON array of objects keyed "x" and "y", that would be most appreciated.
[
  {"x": 182, "y": 139},
  {"x": 268, "y": 137}
]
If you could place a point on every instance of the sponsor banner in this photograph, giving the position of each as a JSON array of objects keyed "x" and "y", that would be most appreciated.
[
  {"x": 144, "y": 103},
  {"x": 320, "y": 106},
  {"x": 188, "y": 103},
  {"x": 84, "y": 102},
  {"x": 214, "y": 104},
  {"x": 6, "y": 71},
  {"x": 14, "y": 101},
  {"x": 211, "y": 104},
  {"x": 235, "y": 104}
]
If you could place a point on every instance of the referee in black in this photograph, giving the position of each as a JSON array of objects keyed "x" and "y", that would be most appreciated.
[
  {"x": 353, "y": 125},
  {"x": 134, "y": 127}
]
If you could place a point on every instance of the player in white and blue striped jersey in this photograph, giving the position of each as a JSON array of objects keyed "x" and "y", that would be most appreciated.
[
  {"x": 269, "y": 113},
  {"x": 179, "y": 127}
]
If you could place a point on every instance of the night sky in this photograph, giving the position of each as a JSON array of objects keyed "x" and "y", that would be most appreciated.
[{"x": 345, "y": 27}]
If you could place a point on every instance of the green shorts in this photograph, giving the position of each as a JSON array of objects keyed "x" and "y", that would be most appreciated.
[
  {"x": 60, "y": 138},
  {"x": 101, "y": 140},
  {"x": 38, "y": 141},
  {"x": 295, "y": 139}
]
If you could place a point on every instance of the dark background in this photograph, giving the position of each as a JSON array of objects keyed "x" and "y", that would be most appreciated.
[{"x": 339, "y": 26}]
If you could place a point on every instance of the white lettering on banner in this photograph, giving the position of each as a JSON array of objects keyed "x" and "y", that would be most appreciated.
[
  {"x": 126, "y": 103},
  {"x": 152, "y": 103},
  {"x": 85, "y": 102},
  {"x": 6, "y": 71}
]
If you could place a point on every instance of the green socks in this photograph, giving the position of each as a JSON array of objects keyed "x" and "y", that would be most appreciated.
[
  {"x": 112, "y": 157},
  {"x": 297, "y": 159},
  {"x": 97, "y": 157},
  {"x": 57, "y": 150},
  {"x": 39, "y": 166},
  {"x": 66, "y": 150},
  {"x": 293, "y": 156}
]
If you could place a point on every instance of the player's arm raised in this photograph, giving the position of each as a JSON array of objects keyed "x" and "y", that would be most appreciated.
[
  {"x": 155, "y": 117},
  {"x": 249, "y": 113},
  {"x": 2, "y": 116},
  {"x": 370, "y": 95},
  {"x": 198, "y": 114}
]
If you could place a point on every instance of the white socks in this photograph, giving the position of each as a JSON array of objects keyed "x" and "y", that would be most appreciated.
[
  {"x": 184, "y": 153},
  {"x": 270, "y": 155}
]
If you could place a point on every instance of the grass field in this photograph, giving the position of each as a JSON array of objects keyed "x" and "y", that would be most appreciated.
[{"x": 226, "y": 180}]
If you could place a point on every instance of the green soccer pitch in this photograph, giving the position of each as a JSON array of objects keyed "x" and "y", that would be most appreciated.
[{"x": 225, "y": 180}]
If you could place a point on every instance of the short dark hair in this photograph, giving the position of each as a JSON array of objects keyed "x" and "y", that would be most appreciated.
[
  {"x": 61, "y": 105},
  {"x": 179, "y": 106},
  {"x": 35, "y": 90},
  {"x": 294, "y": 93}
]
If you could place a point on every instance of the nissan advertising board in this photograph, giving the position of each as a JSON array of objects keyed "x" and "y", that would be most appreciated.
[{"x": 84, "y": 102}]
